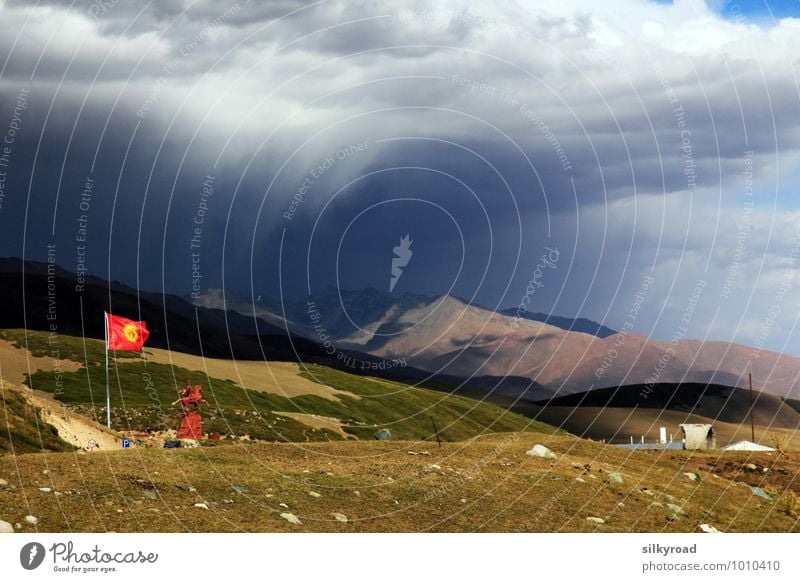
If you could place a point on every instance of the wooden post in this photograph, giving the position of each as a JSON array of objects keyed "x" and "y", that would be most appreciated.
[
  {"x": 436, "y": 432},
  {"x": 752, "y": 424}
]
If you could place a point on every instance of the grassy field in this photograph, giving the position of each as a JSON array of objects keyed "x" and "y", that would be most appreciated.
[
  {"x": 141, "y": 393},
  {"x": 486, "y": 484}
]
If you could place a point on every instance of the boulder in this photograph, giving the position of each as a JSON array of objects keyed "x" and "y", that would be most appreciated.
[
  {"x": 383, "y": 435},
  {"x": 616, "y": 477},
  {"x": 676, "y": 509},
  {"x": 541, "y": 452},
  {"x": 597, "y": 520},
  {"x": 758, "y": 491},
  {"x": 291, "y": 518},
  {"x": 6, "y": 527}
]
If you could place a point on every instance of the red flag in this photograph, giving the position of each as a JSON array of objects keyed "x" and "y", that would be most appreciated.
[{"x": 125, "y": 334}]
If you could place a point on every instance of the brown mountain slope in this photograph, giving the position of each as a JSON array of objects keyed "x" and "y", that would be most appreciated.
[
  {"x": 462, "y": 340},
  {"x": 449, "y": 336}
]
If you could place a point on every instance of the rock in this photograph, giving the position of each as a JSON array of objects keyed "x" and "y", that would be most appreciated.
[
  {"x": 283, "y": 505},
  {"x": 291, "y": 518},
  {"x": 576, "y": 466},
  {"x": 151, "y": 494},
  {"x": 463, "y": 500},
  {"x": 3, "y": 483},
  {"x": 6, "y": 527},
  {"x": 314, "y": 494},
  {"x": 676, "y": 509},
  {"x": 691, "y": 476},
  {"x": 201, "y": 505},
  {"x": 240, "y": 489},
  {"x": 592, "y": 477},
  {"x": 657, "y": 504},
  {"x": 579, "y": 480},
  {"x": 45, "y": 489},
  {"x": 339, "y": 517},
  {"x": 17, "y": 526},
  {"x": 704, "y": 527},
  {"x": 597, "y": 520},
  {"x": 750, "y": 467},
  {"x": 31, "y": 519},
  {"x": 46, "y": 472},
  {"x": 760, "y": 493},
  {"x": 541, "y": 452},
  {"x": 184, "y": 487},
  {"x": 646, "y": 491},
  {"x": 616, "y": 477},
  {"x": 383, "y": 435}
]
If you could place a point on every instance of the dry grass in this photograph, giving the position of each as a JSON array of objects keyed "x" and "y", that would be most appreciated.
[
  {"x": 15, "y": 362},
  {"x": 318, "y": 422},
  {"x": 485, "y": 484},
  {"x": 280, "y": 378}
]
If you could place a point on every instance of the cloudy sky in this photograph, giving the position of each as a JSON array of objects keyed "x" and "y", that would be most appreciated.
[{"x": 286, "y": 146}]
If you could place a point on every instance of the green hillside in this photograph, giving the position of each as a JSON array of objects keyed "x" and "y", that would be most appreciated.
[
  {"x": 142, "y": 391},
  {"x": 21, "y": 428}
]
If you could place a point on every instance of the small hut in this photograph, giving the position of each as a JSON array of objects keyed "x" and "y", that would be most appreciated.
[{"x": 698, "y": 437}]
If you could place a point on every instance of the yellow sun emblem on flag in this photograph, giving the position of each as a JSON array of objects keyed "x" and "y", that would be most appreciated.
[{"x": 131, "y": 332}]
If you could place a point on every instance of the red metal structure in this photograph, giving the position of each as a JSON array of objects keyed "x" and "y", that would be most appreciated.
[{"x": 191, "y": 422}]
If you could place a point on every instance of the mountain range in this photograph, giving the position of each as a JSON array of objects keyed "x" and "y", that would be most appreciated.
[
  {"x": 447, "y": 335},
  {"x": 443, "y": 341}
]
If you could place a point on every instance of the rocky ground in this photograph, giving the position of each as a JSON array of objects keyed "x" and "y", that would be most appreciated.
[{"x": 486, "y": 484}]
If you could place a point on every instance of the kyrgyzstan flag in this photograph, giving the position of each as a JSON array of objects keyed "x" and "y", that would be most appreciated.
[{"x": 125, "y": 334}]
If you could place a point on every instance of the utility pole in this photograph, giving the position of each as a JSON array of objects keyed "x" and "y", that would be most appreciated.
[{"x": 752, "y": 424}]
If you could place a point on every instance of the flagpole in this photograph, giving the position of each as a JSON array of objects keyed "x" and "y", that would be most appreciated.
[{"x": 108, "y": 389}]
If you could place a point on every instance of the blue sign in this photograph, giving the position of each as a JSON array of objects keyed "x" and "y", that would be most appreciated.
[{"x": 126, "y": 443}]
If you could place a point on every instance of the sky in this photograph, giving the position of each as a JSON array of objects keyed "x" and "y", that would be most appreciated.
[{"x": 648, "y": 150}]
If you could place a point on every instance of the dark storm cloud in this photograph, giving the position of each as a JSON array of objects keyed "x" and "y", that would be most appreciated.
[{"x": 596, "y": 121}]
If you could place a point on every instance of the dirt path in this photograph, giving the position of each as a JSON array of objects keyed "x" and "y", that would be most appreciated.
[{"x": 73, "y": 428}]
